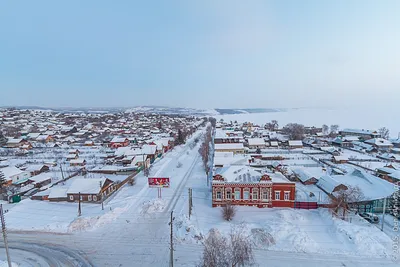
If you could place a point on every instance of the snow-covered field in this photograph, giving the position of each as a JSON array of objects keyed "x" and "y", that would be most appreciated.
[{"x": 354, "y": 117}]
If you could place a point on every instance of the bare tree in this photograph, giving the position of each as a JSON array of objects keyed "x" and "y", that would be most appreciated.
[
  {"x": 295, "y": 131},
  {"x": 384, "y": 132},
  {"x": 3, "y": 182},
  {"x": 3, "y": 140},
  {"x": 241, "y": 253},
  {"x": 215, "y": 250},
  {"x": 334, "y": 130},
  {"x": 204, "y": 149},
  {"x": 228, "y": 212},
  {"x": 272, "y": 126},
  {"x": 341, "y": 200},
  {"x": 232, "y": 251},
  {"x": 325, "y": 129}
]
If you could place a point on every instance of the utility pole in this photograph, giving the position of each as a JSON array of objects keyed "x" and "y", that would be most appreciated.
[
  {"x": 171, "y": 259},
  {"x": 79, "y": 204},
  {"x": 190, "y": 202},
  {"x": 384, "y": 210},
  {"x": 101, "y": 195},
  {"x": 62, "y": 173},
  {"x": 3, "y": 227}
]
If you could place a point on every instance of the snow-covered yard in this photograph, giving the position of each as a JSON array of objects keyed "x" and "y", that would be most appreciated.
[{"x": 277, "y": 229}]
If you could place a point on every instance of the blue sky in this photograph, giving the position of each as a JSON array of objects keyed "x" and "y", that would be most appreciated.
[{"x": 208, "y": 53}]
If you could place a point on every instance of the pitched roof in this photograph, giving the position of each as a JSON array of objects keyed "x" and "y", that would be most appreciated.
[
  {"x": 256, "y": 141},
  {"x": 86, "y": 185},
  {"x": 371, "y": 186},
  {"x": 295, "y": 143},
  {"x": 358, "y": 131},
  {"x": 118, "y": 139},
  {"x": 328, "y": 183},
  {"x": 10, "y": 171},
  {"x": 379, "y": 142},
  {"x": 239, "y": 174},
  {"x": 229, "y": 146}
]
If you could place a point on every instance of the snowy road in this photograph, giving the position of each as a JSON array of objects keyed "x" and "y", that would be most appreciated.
[
  {"x": 27, "y": 252},
  {"x": 126, "y": 234},
  {"x": 139, "y": 235}
]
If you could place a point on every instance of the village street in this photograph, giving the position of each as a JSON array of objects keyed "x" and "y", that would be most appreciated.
[
  {"x": 134, "y": 230},
  {"x": 129, "y": 233}
]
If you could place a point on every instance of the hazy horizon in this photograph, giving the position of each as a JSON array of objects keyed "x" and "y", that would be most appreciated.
[{"x": 200, "y": 54}]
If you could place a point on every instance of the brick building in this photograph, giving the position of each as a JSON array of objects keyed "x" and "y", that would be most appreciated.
[{"x": 244, "y": 186}]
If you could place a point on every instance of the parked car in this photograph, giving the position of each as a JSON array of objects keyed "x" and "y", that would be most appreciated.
[{"x": 370, "y": 217}]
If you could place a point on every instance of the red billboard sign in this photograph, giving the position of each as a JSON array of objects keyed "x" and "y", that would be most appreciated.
[{"x": 156, "y": 182}]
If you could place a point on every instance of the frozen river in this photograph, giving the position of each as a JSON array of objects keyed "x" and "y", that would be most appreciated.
[{"x": 362, "y": 118}]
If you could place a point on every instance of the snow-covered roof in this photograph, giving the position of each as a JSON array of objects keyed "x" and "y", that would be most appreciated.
[
  {"x": 295, "y": 143},
  {"x": 58, "y": 192},
  {"x": 274, "y": 143},
  {"x": 33, "y": 135},
  {"x": 379, "y": 142},
  {"x": 395, "y": 175},
  {"x": 328, "y": 183},
  {"x": 246, "y": 174},
  {"x": 218, "y": 154},
  {"x": 256, "y": 141},
  {"x": 387, "y": 169},
  {"x": 278, "y": 177},
  {"x": 40, "y": 177},
  {"x": 306, "y": 173},
  {"x": 77, "y": 161},
  {"x": 311, "y": 193},
  {"x": 233, "y": 160},
  {"x": 389, "y": 156},
  {"x": 341, "y": 158},
  {"x": 131, "y": 151},
  {"x": 138, "y": 159},
  {"x": 330, "y": 149},
  {"x": 118, "y": 139},
  {"x": 350, "y": 138},
  {"x": 10, "y": 171},
  {"x": 228, "y": 146},
  {"x": 86, "y": 185},
  {"x": 371, "y": 186},
  {"x": 239, "y": 174},
  {"x": 14, "y": 140},
  {"x": 358, "y": 131},
  {"x": 34, "y": 167},
  {"x": 363, "y": 145}
]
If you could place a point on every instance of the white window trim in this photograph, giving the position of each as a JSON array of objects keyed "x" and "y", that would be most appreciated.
[
  {"x": 220, "y": 195},
  {"x": 266, "y": 191},
  {"x": 89, "y": 197},
  {"x": 286, "y": 193},
  {"x": 255, "y": 191},
  {"x": 279, "y": 194},
  {"x": 238, "y": 192},
  {"x": 71, "y": 197},
  {"x": 226, "y": 194}
]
